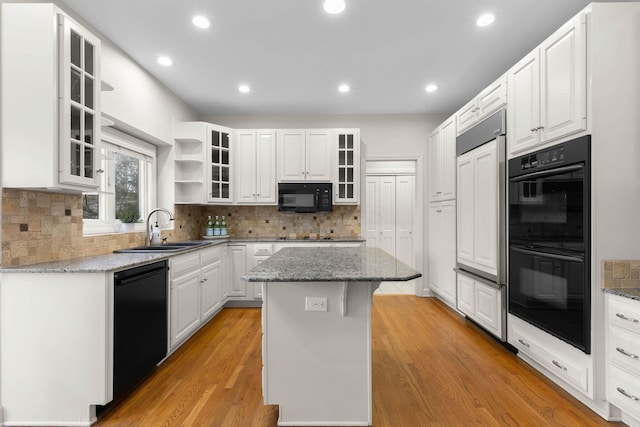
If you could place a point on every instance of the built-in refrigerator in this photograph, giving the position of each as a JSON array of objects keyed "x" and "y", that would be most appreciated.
[{"x": 481, "y": 224}]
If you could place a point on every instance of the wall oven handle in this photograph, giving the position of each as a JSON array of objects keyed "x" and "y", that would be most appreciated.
[
  {"x": 551, "y": 172},
  {"x": 547, "y": 255}
]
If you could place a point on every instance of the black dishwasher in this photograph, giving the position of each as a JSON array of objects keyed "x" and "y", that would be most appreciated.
[{"x": 140, "y": 324}]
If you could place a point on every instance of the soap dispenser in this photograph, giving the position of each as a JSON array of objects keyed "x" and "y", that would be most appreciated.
[{"x": 155, "y": 235}]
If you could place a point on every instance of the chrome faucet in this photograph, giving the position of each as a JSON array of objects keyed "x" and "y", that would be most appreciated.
[{"x": 171, "y": 218}]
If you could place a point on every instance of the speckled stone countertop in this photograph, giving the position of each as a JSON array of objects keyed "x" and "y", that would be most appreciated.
[
  {"x": 331, "y": 265},
  {"x": 632, "y": 293},
  {"x": 119, "y": 261},
  {"x": 102, "y": 263}
]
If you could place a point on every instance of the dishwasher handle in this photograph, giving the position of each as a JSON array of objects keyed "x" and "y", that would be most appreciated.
[{"x": 128, "y": 280}]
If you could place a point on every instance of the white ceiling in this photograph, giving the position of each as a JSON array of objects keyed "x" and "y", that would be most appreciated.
[{"x": 294, "y": 55}]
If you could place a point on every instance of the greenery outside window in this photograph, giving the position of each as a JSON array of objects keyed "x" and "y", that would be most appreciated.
[{"x": 127, "y": 190}]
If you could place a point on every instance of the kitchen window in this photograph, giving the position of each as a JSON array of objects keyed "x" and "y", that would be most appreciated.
[{"x": 127, "y": 185}]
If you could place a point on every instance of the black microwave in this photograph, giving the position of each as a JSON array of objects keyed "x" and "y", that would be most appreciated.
[{"x": 305, "y": 197}]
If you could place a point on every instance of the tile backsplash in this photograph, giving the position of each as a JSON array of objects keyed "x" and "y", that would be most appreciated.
[
  {"x": 39, "y": 226},
  {"x": 246, "y": 222},
  {"x": 621, "y": 274}
]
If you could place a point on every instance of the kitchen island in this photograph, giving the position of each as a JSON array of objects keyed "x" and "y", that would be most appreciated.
[{"x": 316, "y": 324}]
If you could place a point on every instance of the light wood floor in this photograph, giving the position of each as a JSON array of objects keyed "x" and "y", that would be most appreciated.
[{"x": 430, "y": 368}]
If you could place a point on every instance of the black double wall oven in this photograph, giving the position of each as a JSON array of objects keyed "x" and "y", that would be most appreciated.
[{"x": 549, "y": 240}]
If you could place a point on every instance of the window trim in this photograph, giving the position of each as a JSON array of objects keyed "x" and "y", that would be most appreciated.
[{"x": 113, "y": 140}]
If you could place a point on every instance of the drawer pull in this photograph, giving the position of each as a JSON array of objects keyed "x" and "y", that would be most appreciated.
[
  {"x": 629, "y": 319},
  {"x": 559, "y": 365},
  {"x": 523, "y": 343},
  {"x": 624, "y": 393},
  {"x": 621, "y": 350}
]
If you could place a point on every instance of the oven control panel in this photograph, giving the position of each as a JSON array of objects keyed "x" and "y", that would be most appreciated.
[{"x": 542, "y": 158}]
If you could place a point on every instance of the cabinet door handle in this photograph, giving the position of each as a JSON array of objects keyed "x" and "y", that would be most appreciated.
[
  {"x": 540, "y": 128},
  {"x": 624, "y": 393},
  {"x": 438, "y": 210},
  {"x": 622, "y": 350},
  {"x": 438, "y": 192},
  {"x": 628, "y": 319},
  {"x": 559, "y": 365},
  {"x": 534, "y": 129},
  {"x": 526, "y": 344},
  {"x": 100, "y": 171}
]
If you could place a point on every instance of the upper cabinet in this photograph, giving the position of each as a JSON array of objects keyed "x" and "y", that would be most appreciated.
[
  {"x": 219, "y": 165},
  {"x": 304, "y": 155},
  {"x": 442, "y": 162},
  {"x": 50, "y": 93},
  {"x": 202, "y": 163},
  {"x": 346, "y": 183},
  {"x": 487, "y": 102},
  {"x": 255, "y": 166},
  {"x": 547, "y": 90}
]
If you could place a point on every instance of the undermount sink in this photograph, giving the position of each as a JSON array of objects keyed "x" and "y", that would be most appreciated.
[{"x": 172, "y": 247}]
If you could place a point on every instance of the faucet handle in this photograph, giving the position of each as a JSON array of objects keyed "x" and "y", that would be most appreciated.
[{"x": 164, "y": 240}]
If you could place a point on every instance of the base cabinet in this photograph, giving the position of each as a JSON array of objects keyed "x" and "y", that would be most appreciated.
[
  {"x": 196, "y": 281},
  {"x": 623, "y": 356},
  {"x": 481, "y": 302},
  {"x": 559, "y": 361}
]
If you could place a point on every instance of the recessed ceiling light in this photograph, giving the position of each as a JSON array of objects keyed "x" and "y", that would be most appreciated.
[
  {"x": 486, "y": 19},
  {"x": 201, "y": 21},
  {"x": 244, "y": 88},
  {"x": 431, "y": 88},
  {"x": 344, "y": 88},
  {"x": 164, "y": 60},
  {"x": 334, "y": 6}
]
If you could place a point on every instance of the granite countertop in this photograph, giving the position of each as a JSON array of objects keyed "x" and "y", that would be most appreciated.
[
  {"x": 103, "y": 263},
  {"x": 632, "y": 293},
  {"x": 119, "y": 261},
  {"x": 331, "y": 265}
]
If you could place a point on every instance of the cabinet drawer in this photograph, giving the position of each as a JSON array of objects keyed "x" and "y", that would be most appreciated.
[
  {"x": 624, "y": 312},
  {"x": 552, "y": 357},
  {"x": 210, "y": 255},
  {"x": 183, "y": 264},
  {"x": 623, "y": 390},
  {"x": 624, "y": 349}
]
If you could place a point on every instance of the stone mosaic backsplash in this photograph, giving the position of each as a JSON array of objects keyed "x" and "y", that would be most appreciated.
[
  {"x": 246, "y": 222},
  {"x": 40, "y": 226},
  {"x": 621, "y": 274}
]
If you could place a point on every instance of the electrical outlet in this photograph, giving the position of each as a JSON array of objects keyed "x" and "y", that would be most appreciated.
[{"x": 315, "y": 304}]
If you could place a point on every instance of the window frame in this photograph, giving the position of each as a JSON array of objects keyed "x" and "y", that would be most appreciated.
[{"x": 113, "y": 140}]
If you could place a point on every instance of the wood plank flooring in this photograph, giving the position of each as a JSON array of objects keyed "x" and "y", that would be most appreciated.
[{"x": 430, "y": 368}]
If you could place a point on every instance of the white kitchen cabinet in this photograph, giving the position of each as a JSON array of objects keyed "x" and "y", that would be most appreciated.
[
  {"x": 346, "y": 183},
  {"x": 196, "y": 282},
  {"x": 623, "y": 356},
  {"x": 304, "y": 155},
  {"x": 202, "y": 163},
  {"x": 442, "y": 162},
  {"x": 442, "y": 250},
  {"x": 487, "y": 102},
  {"x": 481, "y": 302},
  {"x": 50, "y": 92},
  {"x": 255, "y": 166},
  {"x": 211, "y": 282},
  {"x": 563, "y": 361},
  {"x": 547, "y": 89},
  {"x": 478, "y": 207},
  {"x": 219, "y": 165},
  {"x": 185, "y": 297},
  {"x": 238, "y": 266}
]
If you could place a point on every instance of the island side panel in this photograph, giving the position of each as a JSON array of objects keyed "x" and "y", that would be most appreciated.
[
  {"x": 54, "y": 347},
  {"x": 317, "y": 365}
]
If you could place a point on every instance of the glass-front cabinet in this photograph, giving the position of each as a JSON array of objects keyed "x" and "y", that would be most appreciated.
[
  {"x": 347, "y": 179},
  {"x": 220, "y": 165},
  {"x": 50, "y": 93},
  {"x": 79, "y": 104}
]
